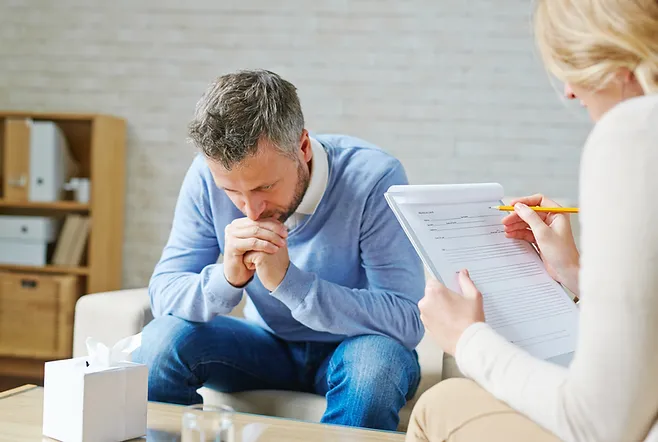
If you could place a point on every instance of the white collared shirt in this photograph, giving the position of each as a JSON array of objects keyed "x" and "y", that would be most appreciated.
[{"x": 316, "y": 186}]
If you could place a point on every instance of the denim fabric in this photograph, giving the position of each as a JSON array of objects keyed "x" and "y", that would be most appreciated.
[{"x": 366, "y": 379}]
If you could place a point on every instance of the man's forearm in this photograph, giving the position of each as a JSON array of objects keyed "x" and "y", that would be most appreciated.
[{"x": 193, "y": 296}]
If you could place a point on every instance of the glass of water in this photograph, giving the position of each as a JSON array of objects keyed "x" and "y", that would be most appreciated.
[{"x": 208, "y": 423}]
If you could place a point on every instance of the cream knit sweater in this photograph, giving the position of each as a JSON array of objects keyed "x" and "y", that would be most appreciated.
[{"x": 610, "y": 391}]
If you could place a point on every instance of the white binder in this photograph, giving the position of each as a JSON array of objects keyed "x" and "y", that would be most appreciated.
[{"x": 50, "y": 162}]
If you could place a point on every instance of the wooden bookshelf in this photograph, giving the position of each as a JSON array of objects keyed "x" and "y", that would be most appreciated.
[{"x": 97, "y": 144}]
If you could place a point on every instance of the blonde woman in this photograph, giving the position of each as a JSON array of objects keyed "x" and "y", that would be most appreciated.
[{"x": 606, "y": 52}]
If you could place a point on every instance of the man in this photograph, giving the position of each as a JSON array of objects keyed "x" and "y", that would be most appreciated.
[{"x": 305, "y": 231}]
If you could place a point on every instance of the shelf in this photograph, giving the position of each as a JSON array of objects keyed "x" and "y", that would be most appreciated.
[
  {"x": 48, "y": 115},
  {"x": 70, "y": 206},
  {"x": 97, "y": 145},
  {"x": 46, "y": 269}
]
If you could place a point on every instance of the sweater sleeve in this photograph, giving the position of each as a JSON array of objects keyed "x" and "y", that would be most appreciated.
[
  {"x": 610, "y": 391},
  {"x": 187, "y": 280}
]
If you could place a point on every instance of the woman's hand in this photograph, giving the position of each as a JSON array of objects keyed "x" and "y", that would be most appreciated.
[
  {"x": 552, "y": 235},
  {"x": 447, "y": 314}
]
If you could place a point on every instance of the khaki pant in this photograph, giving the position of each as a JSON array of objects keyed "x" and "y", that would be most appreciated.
[{"x": 457, "y": 410}]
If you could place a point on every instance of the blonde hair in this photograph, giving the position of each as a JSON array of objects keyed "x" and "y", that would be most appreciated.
[{"x": 585, "y": 42}]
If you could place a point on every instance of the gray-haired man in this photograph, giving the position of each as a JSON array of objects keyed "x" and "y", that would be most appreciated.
[{"x": 331, "y": 279}]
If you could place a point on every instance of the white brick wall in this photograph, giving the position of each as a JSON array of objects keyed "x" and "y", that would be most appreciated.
[{"x": 453, "y": 88}]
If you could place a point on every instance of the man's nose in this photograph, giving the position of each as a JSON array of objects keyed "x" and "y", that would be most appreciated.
[{"x": 254, "y": 208}]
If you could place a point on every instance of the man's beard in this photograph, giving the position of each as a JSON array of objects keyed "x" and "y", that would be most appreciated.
[{"x": 303, "y": 180}]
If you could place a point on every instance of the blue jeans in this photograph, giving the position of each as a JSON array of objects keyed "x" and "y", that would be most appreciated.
[{"x": 366, "y": 379}]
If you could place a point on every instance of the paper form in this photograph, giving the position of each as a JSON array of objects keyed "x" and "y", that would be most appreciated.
[{"x": 521, "y": 301}]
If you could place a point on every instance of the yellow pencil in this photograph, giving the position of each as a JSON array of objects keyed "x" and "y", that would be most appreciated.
[{"x": 540, "y": 209}]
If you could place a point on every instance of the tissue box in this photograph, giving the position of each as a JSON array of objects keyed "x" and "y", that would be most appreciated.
[{"x": 100, "y": 403}]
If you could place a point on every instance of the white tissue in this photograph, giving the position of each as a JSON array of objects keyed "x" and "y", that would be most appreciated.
[{"x": 102, "y": 357}]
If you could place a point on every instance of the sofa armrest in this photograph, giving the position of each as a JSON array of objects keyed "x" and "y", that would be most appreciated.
[{"x": 110, "y": 316}]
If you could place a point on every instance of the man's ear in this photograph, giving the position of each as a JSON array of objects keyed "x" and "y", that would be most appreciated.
[{"x": 306, "y": 151}]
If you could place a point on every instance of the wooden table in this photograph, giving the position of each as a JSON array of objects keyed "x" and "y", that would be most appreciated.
[{"x": 21, "y": 414}]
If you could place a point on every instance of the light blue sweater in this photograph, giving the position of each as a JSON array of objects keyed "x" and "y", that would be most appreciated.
[{"x": 352, "y": 271}]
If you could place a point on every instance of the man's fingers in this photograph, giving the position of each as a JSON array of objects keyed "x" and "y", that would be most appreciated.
[
  {"x": 268, "y": 224},
  {"x": 258, "y": 232},
  {"x": 275, "y": 226},
  {"x": 244, "y": 245},
  {"x": 251, "y": 260},
  {"x": 248, "y": 260}
]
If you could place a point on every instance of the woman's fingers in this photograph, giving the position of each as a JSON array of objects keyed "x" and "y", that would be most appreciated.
[
  {"x": 532, "y": 200},
  {"x": 468, "y": 287},
  {"x": 514, "y": 218},
  {"x": 521, "y": 225},
  {"x": 524, "y": 235}
]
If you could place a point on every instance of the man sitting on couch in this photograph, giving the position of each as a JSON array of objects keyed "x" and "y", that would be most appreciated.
[{"x": 304, "y": 229}]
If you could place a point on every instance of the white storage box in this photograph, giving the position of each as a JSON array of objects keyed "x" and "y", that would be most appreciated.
[{"x": 24, "y": 240}]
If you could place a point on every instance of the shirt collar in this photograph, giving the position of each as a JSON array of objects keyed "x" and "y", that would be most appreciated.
[{"x": 318, "y": 181}]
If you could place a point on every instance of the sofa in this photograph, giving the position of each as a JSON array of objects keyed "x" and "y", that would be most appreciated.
[{"x": 111, "y": 316}]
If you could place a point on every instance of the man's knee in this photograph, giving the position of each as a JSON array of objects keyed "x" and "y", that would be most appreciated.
[
  {"x": 163, "y": 339},
  {"x": 375, "y": 363}
]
